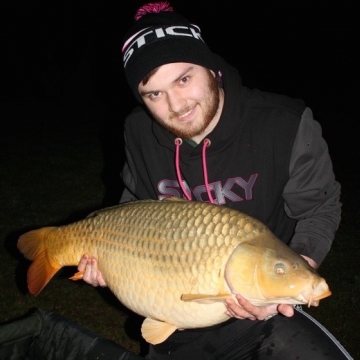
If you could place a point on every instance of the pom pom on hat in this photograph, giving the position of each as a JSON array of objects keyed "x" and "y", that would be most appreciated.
[
  {"x": 153, "y": 8},
  {"x": 161, "y": 36}
]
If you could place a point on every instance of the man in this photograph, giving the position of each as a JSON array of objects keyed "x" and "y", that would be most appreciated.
[{"x": 200, "y": 134}]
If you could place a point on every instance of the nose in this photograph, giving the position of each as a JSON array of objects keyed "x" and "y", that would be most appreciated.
[{"x": 176, "y": 101}]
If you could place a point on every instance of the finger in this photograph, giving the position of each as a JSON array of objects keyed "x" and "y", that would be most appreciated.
[
  {"x": 311, "y": 262},
  {"x": 235, "y": 310},
  {"x": 269, "y": 312},
  {"x": 272, "y": 309},
  {"x": 240, "y": 316},
  {"x": 286, "y": 310},
  {"x": 242, "y": 301},
  {"x": 101, "y": 280},
  {"x": 229, "y": 302},
  {"x": 247, "y": 306},
  {"x": 94, "y": 272},
  {"x": 257, "y": 312},
  {"x": 96, "y": 275},
  {"x": 83, "y": 262},
  {"x": 88, "y": 277}
]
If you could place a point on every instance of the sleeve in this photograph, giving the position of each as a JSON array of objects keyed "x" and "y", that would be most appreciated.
[
  {"x": 312, "y": 195},
  {"x": 127, "y": 196},
  {"x": 128, "y": 178}
]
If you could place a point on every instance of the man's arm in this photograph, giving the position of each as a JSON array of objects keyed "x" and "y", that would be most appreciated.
[{"x": 312, "y": 195}]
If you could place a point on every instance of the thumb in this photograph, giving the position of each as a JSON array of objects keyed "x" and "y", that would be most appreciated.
[{"x": 286, "y": 310}]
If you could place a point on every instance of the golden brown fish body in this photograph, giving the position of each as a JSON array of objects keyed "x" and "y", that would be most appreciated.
[{"x": 175, "y": 261}]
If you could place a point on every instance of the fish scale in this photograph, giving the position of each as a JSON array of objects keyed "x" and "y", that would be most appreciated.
[{"x": 175, "y": 262}]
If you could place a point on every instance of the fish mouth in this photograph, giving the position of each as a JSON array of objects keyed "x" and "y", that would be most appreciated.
[
  {"x": 320, "y": 291},
  {"x": 315, "y": 300}
]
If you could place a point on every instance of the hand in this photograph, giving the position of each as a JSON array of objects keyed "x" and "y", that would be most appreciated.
[
  {"x": 245, "y": 310},
  {"x": 311, "y": 262},
  {"x": 91, "y": 274}
]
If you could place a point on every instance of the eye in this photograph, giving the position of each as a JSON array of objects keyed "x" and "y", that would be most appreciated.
[
  {"x": 279, "y": 268},
  {"x": 184, "y": 80},
  {"x": 154, "y": 95}
]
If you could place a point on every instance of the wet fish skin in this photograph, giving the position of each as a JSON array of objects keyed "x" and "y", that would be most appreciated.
[{"x": 174, "y": 261}]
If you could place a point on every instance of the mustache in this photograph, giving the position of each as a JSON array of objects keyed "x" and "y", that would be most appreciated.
[{"x": 183, "y": 111}]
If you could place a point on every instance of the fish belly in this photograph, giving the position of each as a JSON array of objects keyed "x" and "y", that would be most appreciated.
[{"x": 152, "y": 252}]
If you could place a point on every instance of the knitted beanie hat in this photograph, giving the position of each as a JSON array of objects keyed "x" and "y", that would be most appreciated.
[{"x": 161, "y": 36}]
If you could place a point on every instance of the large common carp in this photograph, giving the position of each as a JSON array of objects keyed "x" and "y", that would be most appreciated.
[{"x": 175, "y": 261}]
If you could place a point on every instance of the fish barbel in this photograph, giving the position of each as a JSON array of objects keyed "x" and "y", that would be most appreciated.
[{"x": 175, "y": 261}]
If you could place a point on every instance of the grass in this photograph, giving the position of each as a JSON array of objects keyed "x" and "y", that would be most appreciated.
[{"x": 58, "y": 171}]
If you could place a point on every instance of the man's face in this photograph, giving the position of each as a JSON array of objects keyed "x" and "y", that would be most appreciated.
[{"x": 184, "y": 98}]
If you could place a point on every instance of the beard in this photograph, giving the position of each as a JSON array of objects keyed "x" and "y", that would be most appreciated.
[{"x": 210, "y": 106}]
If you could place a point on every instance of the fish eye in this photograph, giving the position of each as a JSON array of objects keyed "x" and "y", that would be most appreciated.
[{"x": 280, "y": 268}]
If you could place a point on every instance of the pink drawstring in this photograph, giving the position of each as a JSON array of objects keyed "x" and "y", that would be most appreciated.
[
  {"x": 206, "y": 143},
  {"x": 178, "y": 142}
]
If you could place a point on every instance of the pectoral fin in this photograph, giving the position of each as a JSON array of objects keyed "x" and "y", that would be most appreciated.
[
  {"x": 155, "y": 332},
  {"x": 205, "y": 298},
  {"x": 77, "y": 276}
]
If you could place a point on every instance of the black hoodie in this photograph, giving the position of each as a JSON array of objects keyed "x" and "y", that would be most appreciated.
[{"x": 267, "y": 158}]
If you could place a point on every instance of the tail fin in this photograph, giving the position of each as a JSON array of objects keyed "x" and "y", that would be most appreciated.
[{"x": 32, "y": 246}]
